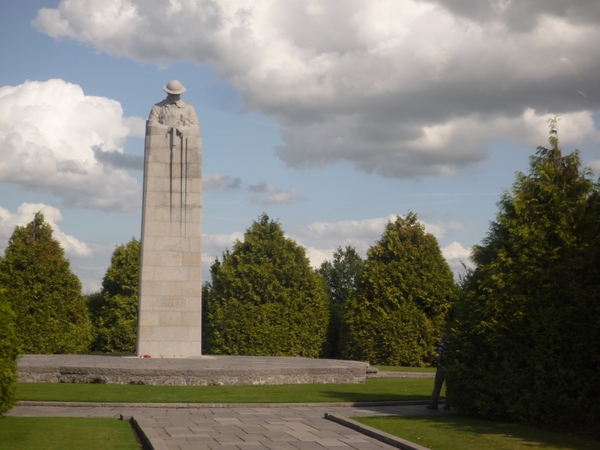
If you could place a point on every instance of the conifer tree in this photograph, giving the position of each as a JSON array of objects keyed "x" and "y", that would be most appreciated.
[
  {"x": 524, "y": 346},
  {"x": 404, "y": 295},
  {"x": 8, "y": 355},
  {"x": 114, "y": 310},
  {"x": 341, "y": 276},
  {"x": 265, "y": 299},
  {"x": 50, "y": 314}
]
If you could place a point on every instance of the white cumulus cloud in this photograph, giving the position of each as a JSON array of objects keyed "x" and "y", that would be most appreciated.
[
  {"x": 49, "y": 133},
  {"x": 457, "y": 255},
  {"x": 402, "y": 88},
  {"x": 25, "y": 214}
]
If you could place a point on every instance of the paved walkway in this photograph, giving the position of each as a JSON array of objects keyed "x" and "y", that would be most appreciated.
[{"x": 241, "y": 428}]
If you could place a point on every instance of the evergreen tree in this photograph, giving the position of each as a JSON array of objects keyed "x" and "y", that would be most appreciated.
[
  {"x": 403, "y": 298},
  {"x": 524, "y": 345},
  {"x": 340, "y": 275},
  {"x": 265, "y": 299},
  {"x": 114, "y": 310},
  {"x": 43, "y": 292},
  {"x": 8, "y": 355}
]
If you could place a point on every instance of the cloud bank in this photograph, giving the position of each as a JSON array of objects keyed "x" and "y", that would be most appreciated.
[
  {"x": 55, "y": 138},
  {"x": 8, "y": 221},
  {"x": 402, "y": 88}
]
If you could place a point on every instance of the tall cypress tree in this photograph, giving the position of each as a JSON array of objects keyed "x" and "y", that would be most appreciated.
[
  {"x": 265, "y": 299},
  {"x": 524, "y": 346},
  {"x": 114, "y": 310},
  {"x": 8, "y": 355},
  {"x": 404, "y": 295},
  {"x": 50, "y": 313}
]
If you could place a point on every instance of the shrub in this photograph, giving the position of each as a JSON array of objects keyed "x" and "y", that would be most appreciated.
[
  {"x": 265, "y": 299},
  {"x": 114, "y": 310},
  {"x": 44, "y": 294},
  {"x": 524, "y": 344},
  {"x": 404, "y": 295}
]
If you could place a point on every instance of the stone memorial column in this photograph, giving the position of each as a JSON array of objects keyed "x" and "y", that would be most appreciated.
[{"x": 170, "y": 271}]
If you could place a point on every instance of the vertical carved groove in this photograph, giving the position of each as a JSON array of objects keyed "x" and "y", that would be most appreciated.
[
  {"x": 171, "y": 178},
  {"x": 186, "y": 186}
]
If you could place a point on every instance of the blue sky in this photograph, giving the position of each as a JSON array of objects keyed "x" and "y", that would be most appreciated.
[{"x": 332, "y": 117}]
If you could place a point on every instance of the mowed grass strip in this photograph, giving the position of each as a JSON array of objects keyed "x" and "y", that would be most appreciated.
[
  {"x": 454, "y": 432},
  {"x": 65, "y": 433},
  {"x": 385, "y": 389}
]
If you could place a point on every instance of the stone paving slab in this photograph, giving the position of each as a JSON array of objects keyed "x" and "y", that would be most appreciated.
[
  {"x": 196, "y": 371},
  {"x": 288, "y": 427}
]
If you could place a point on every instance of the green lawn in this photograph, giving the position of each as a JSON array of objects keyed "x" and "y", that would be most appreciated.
[
  {"x": 384, "y": 389},
  {"x": 65, "y": 433},
  {"x": 405, "y": 369},
  {"x": 454, "y": 432}
]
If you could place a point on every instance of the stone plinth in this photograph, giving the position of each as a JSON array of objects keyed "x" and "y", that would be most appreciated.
[
  {"x": 199, "y": 371},
  {"x": 170, "y": 272}
]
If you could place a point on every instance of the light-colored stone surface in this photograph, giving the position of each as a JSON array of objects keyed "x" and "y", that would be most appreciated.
[
  {"x": 170, "y": 275},
  {"x": 287, "y": 427},
  {"x": 199, "y": 371}
]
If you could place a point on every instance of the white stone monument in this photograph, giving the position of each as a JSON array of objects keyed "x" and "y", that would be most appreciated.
[{"x": 170, "y": 272}]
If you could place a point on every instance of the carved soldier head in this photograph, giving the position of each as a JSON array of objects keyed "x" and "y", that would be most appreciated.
[{"x": 174, "y": 87}]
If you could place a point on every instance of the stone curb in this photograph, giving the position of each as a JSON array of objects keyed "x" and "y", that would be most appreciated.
[
  {"x": 381, "y": 374},
  {"x": 382, "y": 436},
  {"x": 150, "y": 439},
  {"x": 219, "y": 405}
]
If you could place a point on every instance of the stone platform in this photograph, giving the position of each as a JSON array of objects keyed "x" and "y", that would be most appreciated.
[{"x": 196, "y": 371}]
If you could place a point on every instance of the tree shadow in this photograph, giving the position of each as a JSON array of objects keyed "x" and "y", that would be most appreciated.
[{"x": 523, "y": 436}]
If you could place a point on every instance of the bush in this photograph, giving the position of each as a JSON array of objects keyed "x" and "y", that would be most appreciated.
[
  {"x": 404, "y": 295},
  {"x": 265, "y": 299},
  {"x": 524, "y": 344}
]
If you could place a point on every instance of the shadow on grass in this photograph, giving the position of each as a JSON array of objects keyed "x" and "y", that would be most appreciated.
[
  {"x": 340, "y": 396},
  {"x": 460, "y": 431}
]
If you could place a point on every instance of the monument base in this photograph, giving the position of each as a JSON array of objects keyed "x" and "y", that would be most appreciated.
[{"x": 201, "y": 371}]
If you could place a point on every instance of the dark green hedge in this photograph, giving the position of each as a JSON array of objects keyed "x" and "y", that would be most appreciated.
[
  {"x": 404, "y": 295},
  {"x": 8, "y": 355},
  {"x": 114, "y": 310},
  {"x": 51, "y": 316},
  {"x": 525, "y": 346}
]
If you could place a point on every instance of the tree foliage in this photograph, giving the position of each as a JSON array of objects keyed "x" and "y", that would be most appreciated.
[
  {"x": 114, "y": 310},
  {"x": 44, "y": 294},
  {"x": 265, "y": 299},
  {"x": 341, "y": 276},
  {"x": 8, "y": 355},
  {"x": 524, "y": 345},
  {"x": 404, "y": 295}
]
